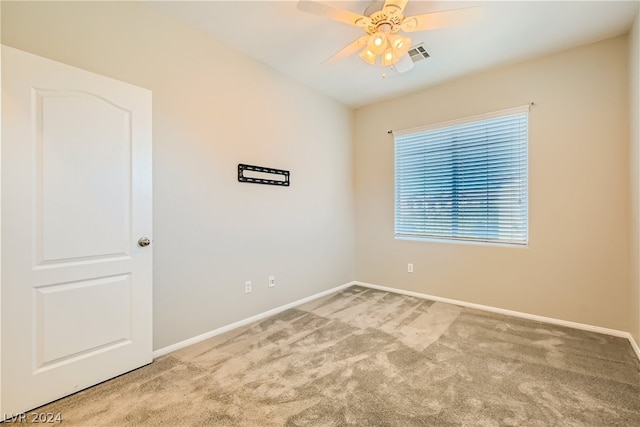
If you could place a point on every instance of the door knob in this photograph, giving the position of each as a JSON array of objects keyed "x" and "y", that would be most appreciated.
[{"x": 144, "y": 241}]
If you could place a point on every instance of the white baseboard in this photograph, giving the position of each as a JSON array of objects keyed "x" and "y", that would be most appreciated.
[
  {"x": 243, "y": 322},
  {"x": 551, "y": 320}
]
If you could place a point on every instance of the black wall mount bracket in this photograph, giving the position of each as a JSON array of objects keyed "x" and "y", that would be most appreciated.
[{"x": 256, "y": 175}]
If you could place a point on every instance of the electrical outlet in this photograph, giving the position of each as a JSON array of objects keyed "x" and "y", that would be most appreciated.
[
  {"x": 272, "y": 281},
  {"x": 247, "y": 286},
  {"x": 409, "y": 268}
]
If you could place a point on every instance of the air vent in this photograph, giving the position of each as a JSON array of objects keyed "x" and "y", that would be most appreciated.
[{"x": 418, "y": 53}]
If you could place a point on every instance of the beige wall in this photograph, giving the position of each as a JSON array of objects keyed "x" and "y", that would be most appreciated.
[
  {"x": 576, "y": 266},
  {"x": 634, "y": 74},
  {"x": 212, "y": 109}
]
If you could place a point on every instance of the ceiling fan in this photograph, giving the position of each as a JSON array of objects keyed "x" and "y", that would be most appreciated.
[{"x": 383, "y": 27}]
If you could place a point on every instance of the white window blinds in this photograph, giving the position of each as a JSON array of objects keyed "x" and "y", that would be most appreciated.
[{"x": 464, "y": 180}]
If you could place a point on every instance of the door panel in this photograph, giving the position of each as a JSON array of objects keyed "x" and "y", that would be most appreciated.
[
  {"x": 95, "y": 137},
  {"x": 96, "y": 313},
  {"x": 76, "y": 197}
]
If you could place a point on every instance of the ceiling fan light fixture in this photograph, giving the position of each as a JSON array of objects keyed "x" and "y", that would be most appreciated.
[
  {"x": 377, "y": 43},
  {"x": 388, "y": 58},
  {"x": 389, "y": 46},
  {"x": 368, "y": 56},
  {"x": 400, "y": 43}
]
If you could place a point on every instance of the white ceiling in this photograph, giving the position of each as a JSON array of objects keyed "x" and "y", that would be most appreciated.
[{"x": 296, "y": 43}]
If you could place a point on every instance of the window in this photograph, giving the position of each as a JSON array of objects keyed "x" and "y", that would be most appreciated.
[{"x": 464, "y": 179}]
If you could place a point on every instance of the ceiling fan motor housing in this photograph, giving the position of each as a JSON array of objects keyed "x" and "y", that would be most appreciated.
[{"x": 384, "y": 21}]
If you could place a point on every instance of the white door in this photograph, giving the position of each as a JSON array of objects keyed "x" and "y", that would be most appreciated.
[{"x": 76, "y": 198}]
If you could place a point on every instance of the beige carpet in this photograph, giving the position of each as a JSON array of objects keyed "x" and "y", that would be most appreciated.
[{"x": 370, "y": 358}]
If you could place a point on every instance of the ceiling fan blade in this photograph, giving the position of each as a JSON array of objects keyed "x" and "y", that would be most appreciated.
[
  {"x": 347, "y": 50},
  {"x": 334, "y": 13},
  {"x": 435, "y": 20},
  {"x": 397, "y": 6}
]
